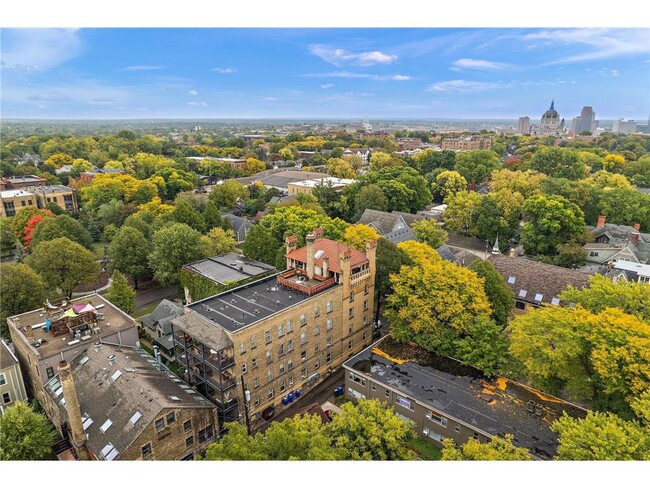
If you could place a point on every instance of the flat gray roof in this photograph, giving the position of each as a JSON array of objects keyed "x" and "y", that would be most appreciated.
[
  {"x": 228, "y": 268},
  {"x": 238, "y": 308},
  {"x": 497, "y": 407}
]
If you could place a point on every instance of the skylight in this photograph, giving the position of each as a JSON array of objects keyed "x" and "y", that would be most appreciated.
[
  {"x": 109, "y": 452},
  {"x": 319, "y": 253},
  {"x": 106, "y": 425},
  {"x": 538, "y": 297},
  {"x": 555, "y": 301},
  {"x": 84, "y": 360},
  {"x": 512, "y": 279},
  {"x": 87, "y": 421},
  {"x": 175, "y": 398},
  {"x": 116, "y": 375},
  {"x": 136, "y": 416},
  {"x": 523, "y": 293}
]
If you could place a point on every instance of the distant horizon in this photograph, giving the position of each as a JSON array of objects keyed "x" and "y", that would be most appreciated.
[{"x": 323, "y": 73}]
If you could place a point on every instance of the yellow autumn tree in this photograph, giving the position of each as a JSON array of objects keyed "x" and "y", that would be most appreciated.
[
  {"x": 434, "y": 302},
  {"x": 613, "y": 162},
  {"x": 357, "y": 235}
]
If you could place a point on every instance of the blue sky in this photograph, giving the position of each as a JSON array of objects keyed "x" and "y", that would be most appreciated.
[{"x": 296, "y": 72}]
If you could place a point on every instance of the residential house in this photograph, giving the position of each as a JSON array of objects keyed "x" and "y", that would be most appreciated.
[
  {"x": 25, "y": 181},
  {"x": 363, "y": 152},
  {"x": 535, "y": 284},
  {"x": 617, "y": 243},
  {"x": 117, "y": 403},
  {"x": 278, "y": 337},
  {"x": 158, "y": 327},
  {"x": 446, "y": 399},
  {"x": 472, "y": 245},
  {"x": 240, "y": 225},
  {"x": 12, "y": 387},
  {"x": 629, "y": 271},
  {"x": 394, "y": 226},
  {"x": 307, "y": 186}
]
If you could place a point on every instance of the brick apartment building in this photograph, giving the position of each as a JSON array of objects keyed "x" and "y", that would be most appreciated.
[
  {"x": 466, "y": 143},
  {"x": 445, "y": 398},
  {"x": 279, "y": 336}
]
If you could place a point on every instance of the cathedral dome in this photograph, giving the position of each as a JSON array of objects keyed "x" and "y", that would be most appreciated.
[{"x": 551, "y": 113}]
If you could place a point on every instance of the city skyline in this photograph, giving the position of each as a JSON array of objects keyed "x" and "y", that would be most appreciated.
[{"x": 478, "y": 73}]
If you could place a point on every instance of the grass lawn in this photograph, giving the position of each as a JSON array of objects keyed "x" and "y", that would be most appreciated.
[
  {"x": 144, "y": 311},
  {"x": 98, "y": 248},
  {"x": 424, "y": 450}
]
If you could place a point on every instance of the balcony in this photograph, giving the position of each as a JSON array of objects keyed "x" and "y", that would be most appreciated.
[
  {"x": 360, "y": 276},
  {"x": 297, "y": 280}
]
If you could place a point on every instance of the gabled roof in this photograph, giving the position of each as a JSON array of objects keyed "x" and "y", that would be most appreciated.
[
  {"x": 536, "y": 278},
  {"x": 331, "y": 249},
  {"x": 165, "y": 310},
  {"x": 112, "y": 393},
  {"x": 383, "y": 222},
  {"x": 236, "y": 221},
  {"x": 473, "y": 243},
  {"x": 401, "y": 235}
]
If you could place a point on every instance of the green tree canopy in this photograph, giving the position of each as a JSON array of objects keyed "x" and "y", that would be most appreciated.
[
  {"x": 389, "y": 260},
  {"x": 21, "y": 290},
  {"x": 7, "y": 237},
  {"x": 184, "y": 213},
  {"x": 558, "y": 162},
  {"x": 447, "y": 183},
  {"x": 62, "y": 226},
  {"x": 370, "y": 196},
  {"x": 173, "y": 246},
  {"x": 120, "y": 293},
  {"x": 217, "y": 242},
  {"x": 430, "y": 232},
  {"x": 288, "y": 220},
  {"x": 24, "y": 215},
  {"x": 459, "y": 216},
  {"x": 25, "y": 435},
  {"x": 498, "y": 293},
  {"x": 226, "y": 195},
  {"x": 551, "y": 221},
  {"x": 370, "y": 430},
  {"x": 358, "y": 235},
  {"x": 261, "y": 245},
  {"x": 527, "y": 183},
  {"x": 477, "y": 165},
  {"x": 498, "y": 449},
  {"x": 63, "y": 264},
  {"x": 129, "y": 251}
]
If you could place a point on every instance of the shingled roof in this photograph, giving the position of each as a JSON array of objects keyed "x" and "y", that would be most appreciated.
[
  {"x": 537, "y": 280},
  {"x": 331, "y": 249}
]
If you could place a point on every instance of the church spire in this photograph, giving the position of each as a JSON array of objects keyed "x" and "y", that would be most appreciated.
[
  {"x": 495, "y": 248},
  {"x": 552, "y": 104}
]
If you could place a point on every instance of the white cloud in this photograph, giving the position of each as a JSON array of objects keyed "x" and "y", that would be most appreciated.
[
  {"x": 348, "y": 74},
  {"x": 270, "y": 99},
  {"x": 102, "y": 101},
  {"x": 48, "y": 97},
  {"x": 142, "y": 67},
  {"x": 29, "y": 50},
  {"x": 327, "y": 86},
  {"x": 192, "y": 93},
  {"x": 225, "y": 71},
  {"x": 614, "y": 72},
  {"x": 461, "y": 86},
  {"x": 600, "y": 43},
  {"x": 338, "y": 57},
  {"x": 480, "y": 64},
  {"x": 197, "y": 104}
]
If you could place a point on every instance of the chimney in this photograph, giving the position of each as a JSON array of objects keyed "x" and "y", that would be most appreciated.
[
  {"x": 371, "y": 254},
  {"x": 637, "y": 227},
  {"x": 318, "y": 233},
  {"x": 326, "y": 266},
  {"x": 78, "y": 436},
  {"x": 311, "y": 238},
  {"x": 512, "y": 252},
  {"x": 344, "y": 263},
  {"x": 634, "y": 238},
  {"x": 601, "y": 221},
  {"x": 290, "y": 243}
]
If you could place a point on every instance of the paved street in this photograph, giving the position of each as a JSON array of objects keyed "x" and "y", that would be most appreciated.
[{"x": 155, "y": 295}]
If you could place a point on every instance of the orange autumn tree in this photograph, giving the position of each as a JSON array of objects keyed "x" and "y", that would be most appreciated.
[{"x": 28, "y": 232}]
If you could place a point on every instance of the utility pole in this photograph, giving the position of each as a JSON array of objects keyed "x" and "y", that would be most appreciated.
[{"x": 247, "y": 395}]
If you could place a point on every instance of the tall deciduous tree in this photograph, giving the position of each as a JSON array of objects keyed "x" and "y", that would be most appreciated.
[
  {"x": 120, "y": 293},
  {"x": 19, "y": 221},
  {"x": 25, "y": 435},
  {"x": 558, "y": 162},
  {"x": 603, "y": 436},
  {"x": 340, "y": 168},
  {"x": 358, "y": 235},
  {"x": 212, "y": 216},
  {"x": 434, "y": 302},
  {"x": 226, "y": 195},
  {"x": 477, "y": 165},
  {"x": 253, "y": 166},
  {"x": 551, "y": 221},
  {"x": 430, "y": 232},
  {"x": 63, "y": 264},
  {"x": 261, "y": 245},
  {"x": 527, "y": 183},
  {"x": 129, "y": 251},
  {"x": 370, "y": 431},
  {"x": 62, "y": 226},
  {"x": 372, "y": 197},
  {"x": 217, "y": 242},
  {"x": 173, "y": 246},
  {"x": 389, "y": 260},
  {"x": 498, "y": 293},
  {"x": 498, "y": 449},
  {"x": 447, "y": 183},
  {"x": 184, "y": 213},
  {"x": 7, "y": 236},
  {"x": 629, "y": 296},
  {"x": 21, "y": 290},
  {"x": 459, "y": 216}
]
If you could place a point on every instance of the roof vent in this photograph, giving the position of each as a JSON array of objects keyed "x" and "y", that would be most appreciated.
[
  {"x": 257, "y": 311},
  {"x": 290, "y": 297},
  {"x": 111, "y": 359}
]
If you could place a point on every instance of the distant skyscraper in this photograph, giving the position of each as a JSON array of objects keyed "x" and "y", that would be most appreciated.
[
  {"x": 587, "y": 121},
  {"x": 523, "y": 127}
]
